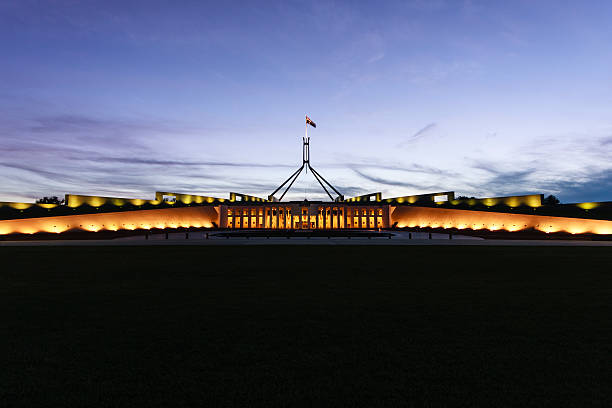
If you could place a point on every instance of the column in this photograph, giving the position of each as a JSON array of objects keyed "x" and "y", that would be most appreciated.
[
  {"x": 325, "y": 220},
  {"x": 277, "y": 217},
  {"x": 337, "y": 218}
]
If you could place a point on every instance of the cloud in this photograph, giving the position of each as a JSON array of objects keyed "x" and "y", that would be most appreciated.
[
  {"x": 63, "y": 153},
  {"x": 502, "y": 181},
  {"x": 51, "y": 175},
  {"x": 55, "y": 154},
  {"x": 590, "y": 183},
  {"x": 596, "y": 188},
  {"x": 423, "y": 130},
  {"x": 606, "y": 141},
  {"x": 419, "y": 134},
  {"x": 394, "y": 183},
  {"x": 180, "y": 163},
  {"x": 383, "y": 165}
]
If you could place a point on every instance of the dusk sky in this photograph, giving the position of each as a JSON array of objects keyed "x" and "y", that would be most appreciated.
[{"x": 484, "y": 98}]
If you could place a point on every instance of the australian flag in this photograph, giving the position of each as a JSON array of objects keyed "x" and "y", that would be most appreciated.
[{"x": 310, "y": 122}]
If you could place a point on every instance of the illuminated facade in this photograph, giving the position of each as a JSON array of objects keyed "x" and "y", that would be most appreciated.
[
  {"x": 305, "y": 215},
  {"x": 173, "y": 211}
]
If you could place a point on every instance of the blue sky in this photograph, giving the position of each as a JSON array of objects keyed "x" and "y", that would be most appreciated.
[{"x": 483, "y": 98}]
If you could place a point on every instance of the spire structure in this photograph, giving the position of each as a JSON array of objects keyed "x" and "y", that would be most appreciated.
[{"x": 305, "y": 166}]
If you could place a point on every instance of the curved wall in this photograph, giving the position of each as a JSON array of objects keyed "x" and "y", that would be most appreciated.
[
  {"x": 446, "y": 218},
  {"x": 115, "y": 221}
]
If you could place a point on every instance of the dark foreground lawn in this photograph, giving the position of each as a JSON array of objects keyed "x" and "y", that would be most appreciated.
[{"x": 306, "y": 326}]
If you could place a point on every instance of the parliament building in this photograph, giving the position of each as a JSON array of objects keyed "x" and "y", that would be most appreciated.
[{"x": 82, "y": 215}]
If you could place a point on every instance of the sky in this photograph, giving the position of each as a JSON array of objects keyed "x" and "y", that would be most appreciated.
[{"x": 484, "y": 98}]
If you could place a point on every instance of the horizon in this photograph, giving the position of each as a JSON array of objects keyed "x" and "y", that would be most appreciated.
[{"x": 126, "y": 98}]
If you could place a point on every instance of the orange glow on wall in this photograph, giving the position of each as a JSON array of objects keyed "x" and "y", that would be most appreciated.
[
  {"x": 531, "y": 200},
  {"x": 75, "y": 201},
  {"x": 114, "y": 221},
  {"x": 587, "y": 206},
  {"x": 25, "y": 206},
  {"x": 493, "y": 221}
]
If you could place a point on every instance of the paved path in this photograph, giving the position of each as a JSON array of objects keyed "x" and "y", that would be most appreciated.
[{"x": 400, "y": 238}]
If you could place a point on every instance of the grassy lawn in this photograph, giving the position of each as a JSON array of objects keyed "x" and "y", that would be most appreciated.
[{"x": 306, "y": 326}]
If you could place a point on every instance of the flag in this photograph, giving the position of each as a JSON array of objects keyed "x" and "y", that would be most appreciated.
[{"x": 310, "y": 122}]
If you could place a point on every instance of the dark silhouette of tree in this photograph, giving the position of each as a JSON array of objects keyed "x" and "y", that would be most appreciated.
[
  {"x": 551, "y": 200},
  {"x": 50, "y": 200}
]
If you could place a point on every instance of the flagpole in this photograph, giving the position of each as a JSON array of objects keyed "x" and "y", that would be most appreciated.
[{"x": 306, "y": 140}]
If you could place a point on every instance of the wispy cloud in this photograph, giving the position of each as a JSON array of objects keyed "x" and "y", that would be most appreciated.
[
  {"x": 180, "y": 163},
  {"x": 421, "y": 133},
  {"x": 574, "y": 167},
  {"x": 84, "y": 154},
  {"x": 395, "y": 183},
  {"x": 501, "y": 181}
]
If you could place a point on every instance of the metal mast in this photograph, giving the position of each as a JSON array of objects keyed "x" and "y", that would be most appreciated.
[{"x": 305, "y": 166}]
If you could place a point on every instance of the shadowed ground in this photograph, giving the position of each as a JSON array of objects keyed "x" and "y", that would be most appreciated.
[{"x": 300, "y": 326}]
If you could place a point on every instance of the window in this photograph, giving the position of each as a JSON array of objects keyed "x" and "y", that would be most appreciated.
[{"x": 440, "y": 198}]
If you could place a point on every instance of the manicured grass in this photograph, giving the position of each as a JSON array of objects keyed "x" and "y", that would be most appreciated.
[{"x": 306, "y": 326}]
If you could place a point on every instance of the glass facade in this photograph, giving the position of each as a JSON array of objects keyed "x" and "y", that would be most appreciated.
[{"x": 313, "y": 216}]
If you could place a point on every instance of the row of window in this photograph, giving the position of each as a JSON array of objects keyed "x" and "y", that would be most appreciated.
[
  {"x": 327, "y": 211},
  {"x": 305, "y": 222}
]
